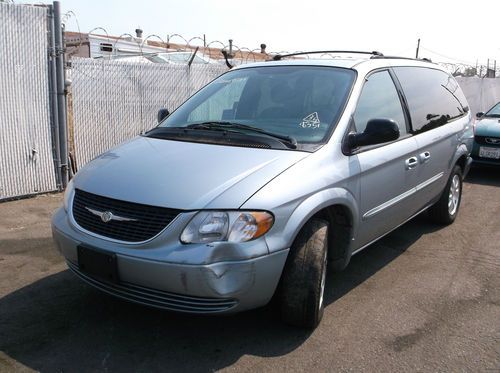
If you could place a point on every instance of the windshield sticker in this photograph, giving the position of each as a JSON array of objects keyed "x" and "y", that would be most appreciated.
[{"x": 311, "y": 121}]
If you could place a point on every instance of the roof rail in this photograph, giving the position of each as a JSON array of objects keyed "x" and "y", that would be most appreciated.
[
  {"x": 404, "y": 58},
  {"x": 278, "y": 57}
]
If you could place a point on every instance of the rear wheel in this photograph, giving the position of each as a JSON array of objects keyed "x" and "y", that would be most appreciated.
[
  {"x": 446, "y": 208},
  {"x": 304, "y": 276}
]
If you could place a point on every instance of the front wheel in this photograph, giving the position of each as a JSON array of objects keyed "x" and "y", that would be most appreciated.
[
  {"x": 304, "y": 276},
  {"x": 445, "y": 210}
]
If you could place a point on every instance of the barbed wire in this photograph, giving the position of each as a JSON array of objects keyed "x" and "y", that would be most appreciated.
[
  {"x": 460, "y": 69},
  {"x": 156, "y": 36},
  {"x": 131, "y": 38},
  {"x": 65, "y": 18},
  {"x": 177, "y": 42},
  {"x": 243, "y": 54},
  {"x": 238, "y": 54},
  {"x": 455, "y": 60}
]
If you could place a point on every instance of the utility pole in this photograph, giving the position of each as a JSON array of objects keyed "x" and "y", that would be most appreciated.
[{"x": 418, "y": 47}]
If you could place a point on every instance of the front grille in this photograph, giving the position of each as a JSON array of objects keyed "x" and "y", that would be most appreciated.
[
  {"x": 157, "y": 298},
  {"x": 147, "y": 222},
  {"x": 483, "y": 140}
]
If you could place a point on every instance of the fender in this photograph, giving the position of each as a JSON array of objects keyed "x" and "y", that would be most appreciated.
[
  {"x": 464, "y": 147},
  {"x": 462, "y": 150},
  {"x": 285, "y": 233}
]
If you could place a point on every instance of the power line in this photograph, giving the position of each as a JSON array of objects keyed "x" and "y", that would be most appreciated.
[{"x": 448, "y": 57}]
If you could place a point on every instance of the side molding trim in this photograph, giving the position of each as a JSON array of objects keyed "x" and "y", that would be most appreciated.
[{"x": 374, "y": 211}]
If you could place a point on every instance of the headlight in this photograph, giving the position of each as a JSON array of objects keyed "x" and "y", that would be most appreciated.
[
  {"x": 68, "y": 194},
  {"x": 230, "y": 226}
]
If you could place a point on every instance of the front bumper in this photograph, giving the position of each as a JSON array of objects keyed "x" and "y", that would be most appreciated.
[{"x": 222, "y": 287}]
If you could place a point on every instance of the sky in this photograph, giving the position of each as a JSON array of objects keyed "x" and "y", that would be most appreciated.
[{"x": 450, "y": 31}]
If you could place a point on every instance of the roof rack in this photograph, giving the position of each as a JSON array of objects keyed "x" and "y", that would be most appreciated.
[
  {"x": 278, "y": 57},
  {"x": 404, "y": 58},
  {"x": 374, "y": 55}
]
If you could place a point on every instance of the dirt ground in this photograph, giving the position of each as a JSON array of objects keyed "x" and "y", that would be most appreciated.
[{"x": 424, "y": 298}]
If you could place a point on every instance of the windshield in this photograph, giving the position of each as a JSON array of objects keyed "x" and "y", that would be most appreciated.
[
  {"x": 494, "y": 111},
  {"x": 300, "y": 102}
]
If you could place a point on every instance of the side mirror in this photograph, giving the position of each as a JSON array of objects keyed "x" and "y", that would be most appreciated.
[
  {"x": 162, "y": 114},
  {"x": 377, "y": 131},
  {"x": 479, "y": 115}
]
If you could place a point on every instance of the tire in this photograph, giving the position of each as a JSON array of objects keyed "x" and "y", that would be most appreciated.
[
  {"x": 303, "y": 279},
  {"x": 445, "y": 210}
]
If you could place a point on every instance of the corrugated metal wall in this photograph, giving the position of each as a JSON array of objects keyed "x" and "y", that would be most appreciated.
[
  {"x": 26, "y": 153},
  {"x": 481, "y": 93},
  {"x": 115, "y": 100}
]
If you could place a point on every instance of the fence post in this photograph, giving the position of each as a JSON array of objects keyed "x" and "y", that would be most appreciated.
[
  {"x": 53, "y": 98},
  {"x": 61, "y": 96}
]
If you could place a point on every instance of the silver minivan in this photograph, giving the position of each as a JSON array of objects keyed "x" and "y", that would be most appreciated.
[{"x": 263, "y": 179}]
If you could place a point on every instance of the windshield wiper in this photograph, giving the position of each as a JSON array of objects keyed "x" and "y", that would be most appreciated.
[{"x": 289, "y": 141}]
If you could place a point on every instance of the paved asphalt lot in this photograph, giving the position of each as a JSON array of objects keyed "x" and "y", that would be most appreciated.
[{"x": 424, "y": 298}]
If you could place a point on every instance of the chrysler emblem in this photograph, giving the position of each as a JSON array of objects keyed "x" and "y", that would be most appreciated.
[
  {"x": 493, "y": 141},
  {"x": 107, "y": 216}
]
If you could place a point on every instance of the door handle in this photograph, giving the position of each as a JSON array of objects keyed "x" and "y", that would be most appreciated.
[
  {"x": 411, "y": 163},
  {"x": 424, "y": 157}
]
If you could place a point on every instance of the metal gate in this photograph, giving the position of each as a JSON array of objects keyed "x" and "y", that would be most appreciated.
[{"x": 27, "y": 131}]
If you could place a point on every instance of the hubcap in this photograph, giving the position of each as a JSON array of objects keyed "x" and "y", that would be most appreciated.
[
  {"x": 323, "y": 281},
  {"x": 454, "y": 195}
]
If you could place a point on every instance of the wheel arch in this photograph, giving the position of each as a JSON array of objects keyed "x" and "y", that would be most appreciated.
[
  {"x": 339, "y": 208},
  {"x": 461, "y": 159},
  {"x": 462, "y": 162}
]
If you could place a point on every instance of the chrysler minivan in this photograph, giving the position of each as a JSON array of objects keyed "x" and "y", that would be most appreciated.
[{"x": 265, "y": 178}]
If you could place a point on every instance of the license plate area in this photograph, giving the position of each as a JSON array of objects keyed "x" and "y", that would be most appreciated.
[
  {"x": 486, "y": 152},
  {"x": 98, "y": 263}
]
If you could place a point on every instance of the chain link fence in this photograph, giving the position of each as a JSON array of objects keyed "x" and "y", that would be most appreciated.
[
  {"x": 115, "y": 100},
  {"x": 26, "y": 144}
]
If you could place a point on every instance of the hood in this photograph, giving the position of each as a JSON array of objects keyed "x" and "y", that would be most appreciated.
[
  {"x": 183, "y": 175},
  {"x": 488, "y": 127}
]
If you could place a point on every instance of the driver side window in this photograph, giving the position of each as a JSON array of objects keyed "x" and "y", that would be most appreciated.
[{"x": 379, "y": 99}]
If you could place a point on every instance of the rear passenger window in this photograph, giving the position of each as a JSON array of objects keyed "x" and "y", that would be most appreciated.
[
  {"x": 434, "y": 97},
  {"x": 379, "y": 99}
]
